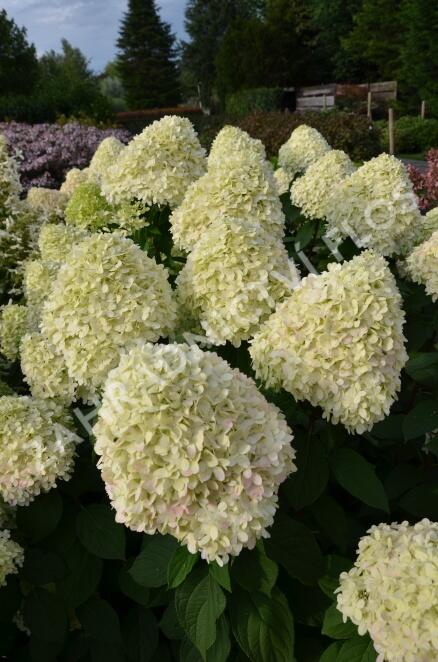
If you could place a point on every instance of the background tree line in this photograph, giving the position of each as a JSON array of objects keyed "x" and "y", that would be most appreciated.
[{"x": 231, "y": 45}]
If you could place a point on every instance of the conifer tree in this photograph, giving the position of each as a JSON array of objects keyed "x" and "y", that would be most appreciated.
[{"x": 147, "y": 57}]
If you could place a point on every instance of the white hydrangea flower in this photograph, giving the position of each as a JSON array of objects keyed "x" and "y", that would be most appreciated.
[
  {"x": 37, "y": 447},
  {"x": 157, "y": 166},
  {"x": 13, "y": 325},
  {"x": 11, "y": 556},
  {"x": 422, "y": 265},
  {"x": 45, "y": 370},
  {"x": 311, "y": 192},
  {"x": 391, "y": 592},
  {"x": 305, "y": 146},
  {"x": 56, "y": 241},
  {"x": 88, "y": 209},
  {"x": 338, "y": 342},
  {"x": 104, "y": 157},
  {"x": 231, "y": 141},
  {"x": 39, "y": 277},
  {"x": 48, "y": 202},
  {"x": 73, "y": 179},
  {"x": 108, "y": 295},
  {"x": 10, "y": 185},
  {"x": 233, "y": 279},
  {"x": 375, "y": 206},
  {"x": 190, "y": 447},
  {"x": 240, "y": 188},
  {"x": 428, "y": 224},
  {"x": 282, "y": 181}
]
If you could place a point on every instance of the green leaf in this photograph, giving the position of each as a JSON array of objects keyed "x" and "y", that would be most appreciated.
[
  {"x": 331, "y": 653},
  {"x": 401, "y": 479},
  {"x": 129, "y": 587},
  {"x": 304, "y": 486},
  {"x": 357, "y": 476},
  {"x": 99, "y": 532},
  {"x": 294, "y": 547},
  {"x": 422, "y": 501},
  {"x": 180, "y": 565},
  {"x": 45, "y": 616},
  {"x": 199, "y": 602},
  {"x": 140, "y": 635},
  {"x": 422, "y": 367},
  {"x": 358, "y": 649},
  {"x": 421, "y": 419},
  {"x": 254, "y": 571},
  {"x": 220, "y": 650},
  {"x": 305, "y": 235},
  {"x": 170, "y": 625},
  {"x": 102, "y": 651},
  {"x": 389, "y": 428},
  {"x": 41, "y": 517},
  {"x": 83, "y": 575},
  {"x": 331, "y": 519},
  {"x": 41, "y": 567},
  {"x": 262, "y": 625},
  {"x": 10, "y": 598},
  {"x": 334, "y": 627},
  {"x": 334, "y": 566},
  {"x": 150, "y": 567},
  {"x": 100, "y": 621},
  {"x": 221, "y": 574}
]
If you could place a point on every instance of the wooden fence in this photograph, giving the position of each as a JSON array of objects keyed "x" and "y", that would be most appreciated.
[{"x": 324, "y": 97}]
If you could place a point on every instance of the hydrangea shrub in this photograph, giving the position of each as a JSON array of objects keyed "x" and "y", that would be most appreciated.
[{"x": 218, "y": 406}]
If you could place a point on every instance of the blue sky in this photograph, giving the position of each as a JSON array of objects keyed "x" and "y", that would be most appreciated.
[{"x": 91, "y": 25}]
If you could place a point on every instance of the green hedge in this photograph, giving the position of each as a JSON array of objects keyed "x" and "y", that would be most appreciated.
[
  {"x": 254, "y": 100},
  {"x": 412, "y": 134}
]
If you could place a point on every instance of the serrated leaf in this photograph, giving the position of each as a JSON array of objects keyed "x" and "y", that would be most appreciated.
[
  {"x": 180, "y": 565},
  {"x": 254, "y": 571},
  {"x": 293, "y": 546},
  {"x": 150, "y": 567},
  {"x": 170, "y": 625},
  {"x": 99, "y": 532},
  {"x": 358, "y": 477},
  {"x": 421, "y": 419},
  {"x": 140, "y": 635},
  {"x": 100, "y": 621},
  {"x": 331, "y": 653},
  {"x": 199, "y": 603},
  {"x": 129, "y": 587},
  {"x": 334, "y": 627},
  {"x": 304, "y": 486},
  {"x": 221, "y": 574},
  {"x": 358, "y": 649},
  {"x": 262, "y": 625}
]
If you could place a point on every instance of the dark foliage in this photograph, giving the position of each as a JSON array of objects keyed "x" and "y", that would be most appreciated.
[{"x": 146, "y": 60}]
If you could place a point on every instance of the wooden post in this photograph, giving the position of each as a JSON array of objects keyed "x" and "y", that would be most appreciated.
[
  {"x": 324, "y": 102},
  {"x": 423, "y": 110},
  {"x": 369, "y": 97},
  {"x": 391, "y": 130}
]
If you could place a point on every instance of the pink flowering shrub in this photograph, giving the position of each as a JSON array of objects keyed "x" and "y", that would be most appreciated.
[
  {"x": 426, "y": 183},
  {"x": 48, "y": 151}
]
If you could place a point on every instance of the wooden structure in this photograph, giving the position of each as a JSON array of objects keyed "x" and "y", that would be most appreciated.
[{"x": 324, "y": 97}]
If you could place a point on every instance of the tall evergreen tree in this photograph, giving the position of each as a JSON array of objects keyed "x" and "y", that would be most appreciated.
[
  {"x": 276, "y": 49},
  {"x": 373, "y": 46},
  {"x": 147, "y": 57},
  {"x": 206, "y": 22},
  {"x": 418, "y": 73},
  {"x": 18, "y": 61}
]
